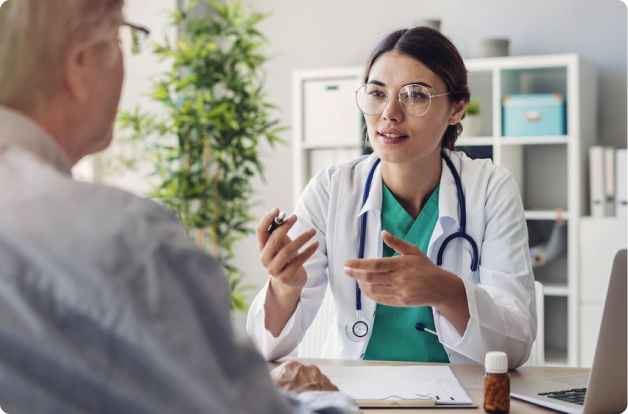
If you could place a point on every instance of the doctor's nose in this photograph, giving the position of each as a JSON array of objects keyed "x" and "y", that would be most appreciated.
[{"x": 393, "y": 111}]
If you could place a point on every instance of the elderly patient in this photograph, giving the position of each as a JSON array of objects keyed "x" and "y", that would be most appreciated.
[{"x": 105, "y": 306}]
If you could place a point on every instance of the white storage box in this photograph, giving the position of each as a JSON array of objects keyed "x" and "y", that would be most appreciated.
[{"x": 331, "y": 117}]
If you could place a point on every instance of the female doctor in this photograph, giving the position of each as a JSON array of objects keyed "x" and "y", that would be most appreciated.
[{"x": 425, "y": 250}]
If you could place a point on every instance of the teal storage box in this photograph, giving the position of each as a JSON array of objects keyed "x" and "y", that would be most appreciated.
[{"x": 534, "y": 115}]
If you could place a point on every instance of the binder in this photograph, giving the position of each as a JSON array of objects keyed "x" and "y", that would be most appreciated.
[
  {"x": 597, "y": 184},
  {"x": 609, "y": 181},
  {"x": 621, "y": 182}
]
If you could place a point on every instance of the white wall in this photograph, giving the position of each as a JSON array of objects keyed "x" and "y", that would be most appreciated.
[{"x": 333, "y": 33}]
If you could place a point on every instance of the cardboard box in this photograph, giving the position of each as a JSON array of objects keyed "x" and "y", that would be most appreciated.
[{"x": 534, "y": 115}]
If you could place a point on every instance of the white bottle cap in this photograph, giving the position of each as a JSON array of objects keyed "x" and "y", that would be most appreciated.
[{"x": 496, "y": 362}]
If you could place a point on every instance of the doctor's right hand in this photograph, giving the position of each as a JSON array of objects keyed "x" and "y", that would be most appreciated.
[{"x": 280, "y": 255}]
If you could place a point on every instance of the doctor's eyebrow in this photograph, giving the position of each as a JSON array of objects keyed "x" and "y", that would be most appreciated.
[{"x": 380, "y": 83}]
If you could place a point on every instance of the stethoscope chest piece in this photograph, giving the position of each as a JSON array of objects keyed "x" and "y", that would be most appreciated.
[{"x": 357, "y": 329}]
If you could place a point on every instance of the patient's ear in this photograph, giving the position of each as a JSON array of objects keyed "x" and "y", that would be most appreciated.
[
  {"x": 76, "y": 74},
  {"x": 458, "y": 109}
]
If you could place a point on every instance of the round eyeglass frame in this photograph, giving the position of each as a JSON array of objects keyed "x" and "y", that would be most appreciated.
[
  {"x": 139, "y": 36},
  {"x": 429, "y": 105}
]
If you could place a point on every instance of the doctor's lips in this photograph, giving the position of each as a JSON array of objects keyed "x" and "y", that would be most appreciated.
[{"x": 391, "y": 133}]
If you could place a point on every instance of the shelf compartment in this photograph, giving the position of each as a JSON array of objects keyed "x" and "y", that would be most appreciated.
[
  {"x": 554, "y": 271},
  {"x": 481, "y": 86},
  {"x": 474, "y": 141},
  {"x": 540, "y": 140},
  {"x": 556, "y": 357},
  {"x": 534, "y": 80},
  {"x": 526, "y": 81},
  {"x": 545, "y": 215},
  {"x": 555, "y": 290},
  {"x": 541, "y": 188},
  {"x": 477, "y": 151},
  {"x": 556, "y": 328}
]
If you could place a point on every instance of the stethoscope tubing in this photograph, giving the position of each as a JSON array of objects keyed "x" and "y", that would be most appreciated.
[{"x": 365, "y": 196}]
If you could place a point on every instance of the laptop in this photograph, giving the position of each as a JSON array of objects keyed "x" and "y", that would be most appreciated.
[{"x": 604, "y": 389}]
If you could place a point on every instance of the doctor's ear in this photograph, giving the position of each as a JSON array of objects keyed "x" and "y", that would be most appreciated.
[{"x": 458, "y": 109}]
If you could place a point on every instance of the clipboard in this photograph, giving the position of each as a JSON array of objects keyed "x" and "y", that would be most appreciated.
[{"x": 433, "y": 386}]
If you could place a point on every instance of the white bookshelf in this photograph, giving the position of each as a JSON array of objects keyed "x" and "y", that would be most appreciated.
[{"x": 550, "y": 170}]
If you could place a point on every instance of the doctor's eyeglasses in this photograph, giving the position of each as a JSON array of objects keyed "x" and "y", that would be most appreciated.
[
  {"x": 415, "y": 99},
  {"x": 132, "y": 38}
]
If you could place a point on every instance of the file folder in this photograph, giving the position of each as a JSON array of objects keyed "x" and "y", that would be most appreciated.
[
  {"x": 609, "y": 181},
  {"x": 597, "y": 184},
  {"x": 621, "y": 182}
]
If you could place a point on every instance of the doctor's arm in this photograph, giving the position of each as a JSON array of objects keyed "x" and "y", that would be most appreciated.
[{"x": 502, "y": 306}]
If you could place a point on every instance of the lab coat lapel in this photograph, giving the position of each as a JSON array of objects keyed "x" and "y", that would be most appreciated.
[
  {"x": 373, "y": 238},
  {"x": 448, "y": 208}
]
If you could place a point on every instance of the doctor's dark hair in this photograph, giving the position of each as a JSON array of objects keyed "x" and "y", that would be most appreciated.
[{"x": 439, "y": 55}]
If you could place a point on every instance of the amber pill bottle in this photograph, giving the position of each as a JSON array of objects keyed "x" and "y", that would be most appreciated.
[{"x": 496, "y": 383}]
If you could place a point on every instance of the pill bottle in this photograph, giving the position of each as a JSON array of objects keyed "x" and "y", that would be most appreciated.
[{"x": 496, "y": 383}]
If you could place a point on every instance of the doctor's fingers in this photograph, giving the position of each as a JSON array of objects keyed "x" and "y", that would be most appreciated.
[
  {"x": 278, "y": 239},
  {"x": 382, "y": 264},
  {"x": 291, "y": 268},
  {"x": 263, "y": 236},
  {"x": 262, "y": 227},
  {"x": 381, "y": 299},
  {"x": 284, "y": 249},
  {"x": 395, "y": 295},
  {"x": 276, "y": 260},
  {"x": 366, "y": 276}
]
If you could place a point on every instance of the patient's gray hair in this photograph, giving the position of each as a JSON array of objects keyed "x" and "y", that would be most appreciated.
[{"x": 36, "y": 37}]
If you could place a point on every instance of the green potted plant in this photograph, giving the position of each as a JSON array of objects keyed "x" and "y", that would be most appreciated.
[
  {"x": 205, "y": 143},
  {"x": 471, "y": 124}
]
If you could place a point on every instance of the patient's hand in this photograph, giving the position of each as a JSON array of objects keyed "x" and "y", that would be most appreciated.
[{"x": 296, "y": 377}]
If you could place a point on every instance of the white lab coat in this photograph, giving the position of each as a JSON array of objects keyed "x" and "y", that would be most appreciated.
[{"x": 502, "y": 306}]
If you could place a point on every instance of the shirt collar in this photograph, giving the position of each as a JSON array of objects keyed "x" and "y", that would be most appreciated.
[
  {"x": 17, "y": 130},
  {"x": 448, "y": 206},
  {"x": 374, "y": 201}
]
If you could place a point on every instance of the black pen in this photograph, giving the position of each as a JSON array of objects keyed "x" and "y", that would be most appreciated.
[{"x": 277, "y": 221}]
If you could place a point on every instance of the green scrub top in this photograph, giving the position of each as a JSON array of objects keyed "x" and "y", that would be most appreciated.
[{"x": 394, "y": 336}]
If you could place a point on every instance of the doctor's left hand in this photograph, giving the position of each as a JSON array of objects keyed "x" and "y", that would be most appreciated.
[{"x": 410, "y": 280}]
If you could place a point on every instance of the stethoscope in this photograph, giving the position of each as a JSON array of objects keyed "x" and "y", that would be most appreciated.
[{"x": 357, "y": 328}]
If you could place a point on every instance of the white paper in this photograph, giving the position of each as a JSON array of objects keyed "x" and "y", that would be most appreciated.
[{"x": 407, "y": 382}]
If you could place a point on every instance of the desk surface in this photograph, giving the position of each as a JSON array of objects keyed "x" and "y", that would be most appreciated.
[{"x": 472, "y": 376}]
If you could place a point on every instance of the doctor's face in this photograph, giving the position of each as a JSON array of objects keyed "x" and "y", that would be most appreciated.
[{"x": 397, "y": 137}]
